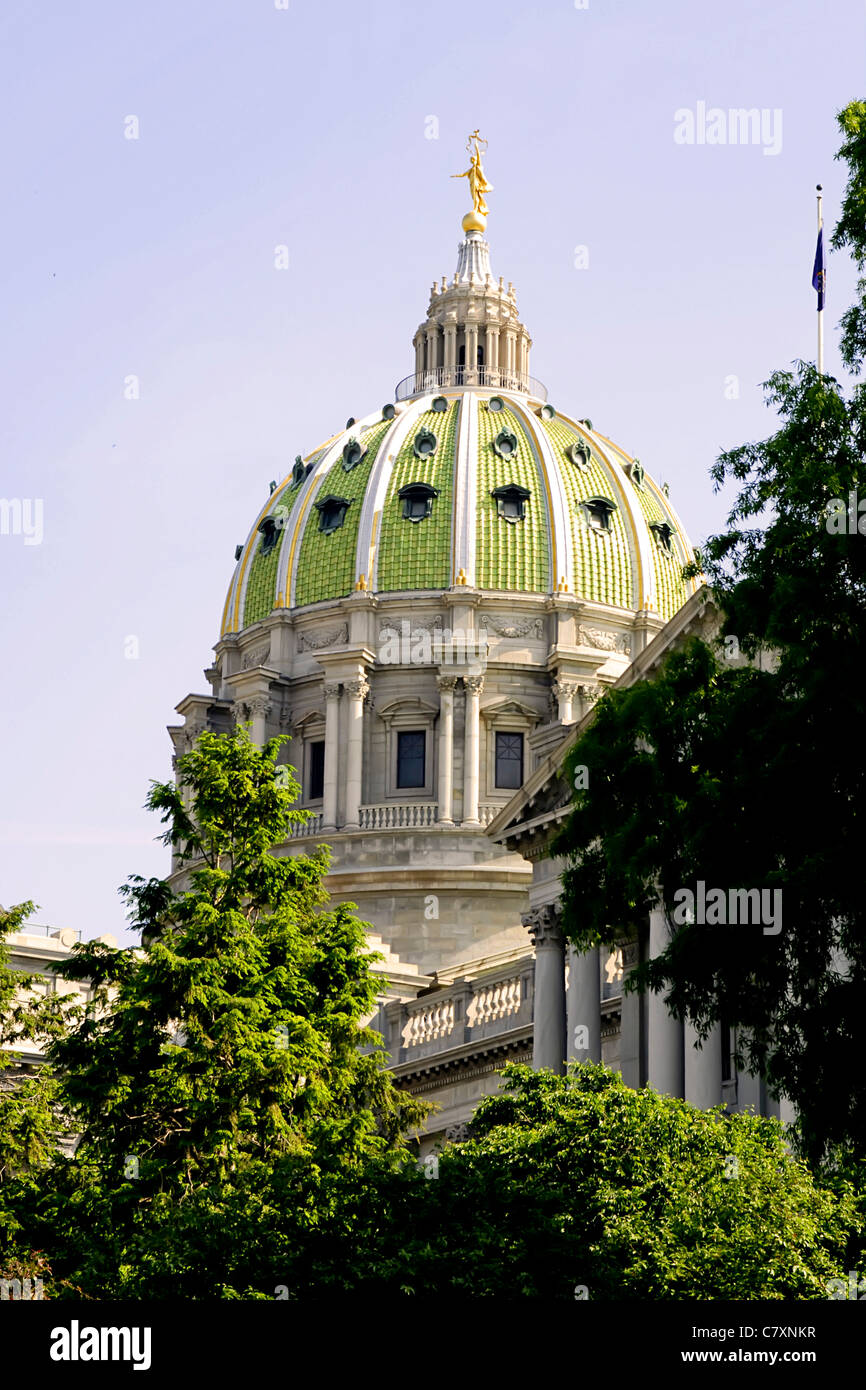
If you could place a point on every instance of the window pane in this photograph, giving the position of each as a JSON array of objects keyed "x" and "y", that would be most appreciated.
[
  {"x": 509, "y": 760},
  {"x": 317, "y": 771},
  {"x": 410, "y": 759}
]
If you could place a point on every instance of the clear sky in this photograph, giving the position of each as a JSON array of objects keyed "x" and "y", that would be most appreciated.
[{"x": 308, "y": 126}]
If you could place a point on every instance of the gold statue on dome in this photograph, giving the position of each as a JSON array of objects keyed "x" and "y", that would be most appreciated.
[{"x": 476, "y": 220}]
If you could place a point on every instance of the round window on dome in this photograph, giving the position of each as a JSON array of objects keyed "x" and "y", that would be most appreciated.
[
  {"x": 547, "y": 412},
  {"x": 424, "y": 444},
  {"x": 353, "y": 452},
  {"x": 505, "y": 444},
  {"x": 388, "y": 411},
  {"x": 496, "y": 403},
  {"x": 440, "y": 405},
  {"x": 579, "y": 454}
]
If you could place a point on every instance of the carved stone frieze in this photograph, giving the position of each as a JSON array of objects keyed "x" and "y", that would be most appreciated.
[
  {"x": 318, "y": 641},
  {"x": 256, "y": 656},
  {"x": 603, "y": 640},
  {"x": 395, "y": 628},
  {"x": 533, "y": 627}
]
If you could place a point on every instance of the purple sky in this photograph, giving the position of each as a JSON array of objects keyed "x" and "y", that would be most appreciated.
[{"x": 308, "y": 127}]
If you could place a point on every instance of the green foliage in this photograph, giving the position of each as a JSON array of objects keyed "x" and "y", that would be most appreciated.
[
  {"x": 851, "y": 228},
  {"x": 223, "y": 1086},
  {"x": 753, "y": 776},
  {"x": 32, "y": 1123},
  {"x": 578, "y": 1182}
]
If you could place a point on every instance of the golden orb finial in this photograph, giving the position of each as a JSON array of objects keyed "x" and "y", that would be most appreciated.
[{"x": 476, "y": 220}]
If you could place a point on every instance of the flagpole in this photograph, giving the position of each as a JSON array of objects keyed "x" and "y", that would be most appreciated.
[{"x": 820, "y": 311}]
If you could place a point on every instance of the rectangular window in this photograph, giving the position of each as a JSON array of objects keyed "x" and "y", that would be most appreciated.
[
  {"x": 317, "y": 772},
  {"x": 727, "y": 1050},
  {"x": 411, "y": 748},
  {"x": 509, "y": 761}
]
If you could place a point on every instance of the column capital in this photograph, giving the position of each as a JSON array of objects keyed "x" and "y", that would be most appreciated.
[
  {"x": 446, "y": 683},
  {"x": 358, "y": 689},
  {"x": 332, "y": 691},
  {"x": 542, "y": 923},
  {"x": 260, "y": 706},
  {"x": 564, "y": 688},
  {"x": 474, "y": 684}
]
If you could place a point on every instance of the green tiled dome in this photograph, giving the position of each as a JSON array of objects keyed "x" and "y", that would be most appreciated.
[{"x": 593, "y": 524}]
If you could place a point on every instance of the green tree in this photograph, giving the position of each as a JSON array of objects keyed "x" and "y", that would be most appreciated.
[
  {"x": 579, "y": 1187},
  {"x": 227, "y": 1096},
  {"x": 752, "y": 776},
  {"x": 32, "y": 1123}
]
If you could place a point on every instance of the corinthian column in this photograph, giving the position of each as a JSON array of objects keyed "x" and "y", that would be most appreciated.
[
  {"x": 332, "y": 757},
  {"x": 664, "y": 1032},
  {"x": 584, "y": 1005},
  {"x": 450, "y": 354},
  {"x": 446, "y": 746},
  {"x": 548, "y": 1017},
  {"x": 259, "y": 707},
  {"x": 564, "y": 692},
  {"x": 471, "y": 751},
  {"x": 357, "y": 691},
  {"x": 491, "y": 353},
  {"x": 471, "y": 353}
]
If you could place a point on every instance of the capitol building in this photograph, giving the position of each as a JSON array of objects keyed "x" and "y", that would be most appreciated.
[{"x": 429, "y": 604}]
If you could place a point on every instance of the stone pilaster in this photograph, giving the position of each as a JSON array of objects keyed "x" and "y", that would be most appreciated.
[
  {"x": 471, "y": 750},
  {"x": 357, "y": 691},
  {"x": 332, "y": 757},
  {"x": 446, "y": 686}
]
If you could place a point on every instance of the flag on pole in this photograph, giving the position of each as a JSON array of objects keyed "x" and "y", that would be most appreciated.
[{"x": 819, "y": 270}]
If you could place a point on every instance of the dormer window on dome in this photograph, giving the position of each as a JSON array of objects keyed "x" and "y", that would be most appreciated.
[
  {"x": 417, "y": 500},
  {"x": 332, "y": 512},
  {"x": 511, "y": 501},
  {"x": 599, "y": 511},
  {"x": 424, "y": 444},
  {"x": 636, "y": 471},
  {"x": 663, "y": 533},
  {"x": 270, "y": 527},
  {"x": 353, "y": 452}
]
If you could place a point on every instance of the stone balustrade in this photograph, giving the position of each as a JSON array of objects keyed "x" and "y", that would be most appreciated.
[
  {"x": 313, "y": 826},
  {"x": 395, "y": 815},
  {"x": 465, "y": 1012}
]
